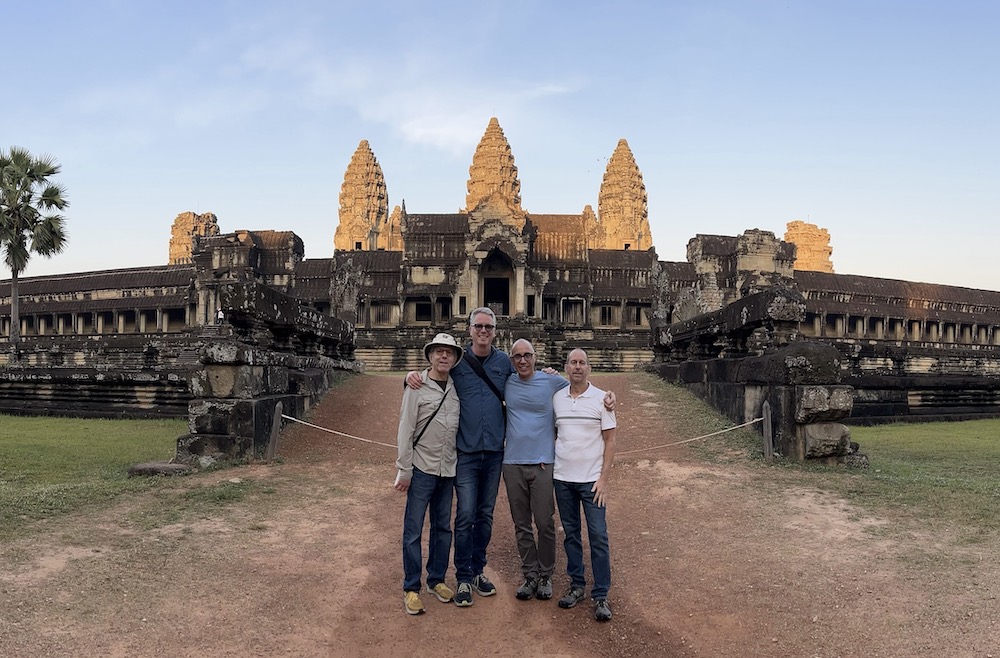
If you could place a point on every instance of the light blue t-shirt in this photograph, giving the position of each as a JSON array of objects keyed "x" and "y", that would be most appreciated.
[{"x": 530, "y": 420}]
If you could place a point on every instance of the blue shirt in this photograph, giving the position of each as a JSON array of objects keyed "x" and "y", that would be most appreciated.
[
  {"x": 531, "y": 422},
  {"x": 481, "y": 424}
]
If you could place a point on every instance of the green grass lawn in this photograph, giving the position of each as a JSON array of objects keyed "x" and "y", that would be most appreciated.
[
  {"x": 50, "y": 466},
  {"x": 942, "y": 471}
]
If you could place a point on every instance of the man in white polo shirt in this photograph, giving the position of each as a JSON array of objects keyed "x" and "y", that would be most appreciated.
[{"x": 585, "y": 450}]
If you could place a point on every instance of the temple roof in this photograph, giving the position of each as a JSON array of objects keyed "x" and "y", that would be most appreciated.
[
  {"x": 438, "y": 223},
  {"x": 136, "y": 277},
  {"x": 622, "y": 259},
  {"x": 894, "y": 288},
  {"x": 312, "y": 279}
]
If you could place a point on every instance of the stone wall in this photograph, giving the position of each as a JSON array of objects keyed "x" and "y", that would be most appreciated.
[
  {"x": 273, "y": 350},
  {"x": 750, "y": 353},
  {"x": 114, "y": 376}
]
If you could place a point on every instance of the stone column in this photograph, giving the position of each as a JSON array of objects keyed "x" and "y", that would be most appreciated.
[{"x": 518, "y": 292}]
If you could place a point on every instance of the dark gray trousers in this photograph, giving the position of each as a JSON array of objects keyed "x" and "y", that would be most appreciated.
[{"x": 529, "y": 490}]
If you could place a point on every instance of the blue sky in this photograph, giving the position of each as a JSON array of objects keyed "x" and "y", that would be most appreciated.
[{"x": 879, "y": 121}]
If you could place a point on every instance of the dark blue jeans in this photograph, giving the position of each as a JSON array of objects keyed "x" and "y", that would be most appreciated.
[
  {"x": 477, "y": 478},
  {"x": 570, "y": 496},
  {"x": 426, "y": 492}
]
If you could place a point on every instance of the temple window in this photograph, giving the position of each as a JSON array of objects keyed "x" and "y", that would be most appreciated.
[
  {"x": 444, "y": 308},
  {"x": 634, "y": 316},
  {"x": 550, "y": 309},
  {"x": 897, "y": 330},
  {"x": 607, "y": 316},
  {"x": 422, "y": 312},
  {"x": 876, "y": 327},
  {"x": 573, "y": 312},
  {"x": 382, "y": 313},
  {"x": 966, "y": 335}
]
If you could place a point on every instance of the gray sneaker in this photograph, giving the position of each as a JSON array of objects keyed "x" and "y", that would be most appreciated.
[
  {"x": 544, "y": 589},
  {"x": 572, "y": 596},
  {"x": 602, "y": 612},
  {"x": 527, "y": 589}
]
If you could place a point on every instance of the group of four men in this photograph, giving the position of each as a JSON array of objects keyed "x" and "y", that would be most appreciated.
[{"x": 455, "y": 419}]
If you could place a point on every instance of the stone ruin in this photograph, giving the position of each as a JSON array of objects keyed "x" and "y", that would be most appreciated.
[
  {"x": 749, "y": 355},
  {"x": 812, "y": 246}
]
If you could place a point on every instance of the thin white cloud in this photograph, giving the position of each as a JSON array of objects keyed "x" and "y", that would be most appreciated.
[{"x": 422, "y": 96}]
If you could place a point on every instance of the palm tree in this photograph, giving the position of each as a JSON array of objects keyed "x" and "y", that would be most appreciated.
[{"x": 25, "y": 194}]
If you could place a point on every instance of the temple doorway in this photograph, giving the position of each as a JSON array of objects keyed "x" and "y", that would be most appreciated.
[{"x": 495, "y": 275}]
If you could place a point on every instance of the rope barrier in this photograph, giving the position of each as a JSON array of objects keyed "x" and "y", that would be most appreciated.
[
  {"x": 697, "y": 438},
  {"x": 350, "y": 436},
  {"x": 626, "y": 452}
]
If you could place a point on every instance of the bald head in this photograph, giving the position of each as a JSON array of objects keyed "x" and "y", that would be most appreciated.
[
  {"x": 577, "y": 368},
  {"x": 522, "y": 355}
]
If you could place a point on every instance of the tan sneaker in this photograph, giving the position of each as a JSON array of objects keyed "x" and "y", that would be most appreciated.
[
  {"x": 442, "y": 592},
  {"x": 412, "y": 604}
]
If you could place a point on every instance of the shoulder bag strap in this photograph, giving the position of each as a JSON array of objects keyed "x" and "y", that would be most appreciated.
[
  {"x": 477, "y": 368},
  {"x": 428, "y": 424}
]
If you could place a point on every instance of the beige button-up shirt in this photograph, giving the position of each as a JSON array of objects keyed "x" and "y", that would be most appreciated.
[{"x": 435, "y": 453}]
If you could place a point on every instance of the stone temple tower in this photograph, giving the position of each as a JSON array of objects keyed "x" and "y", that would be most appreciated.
[
  {"x": 812, "y": 246},
  {"x": 188, "y": 226},
  {"x": 364, "y": 203},
  {"x": 493, "y": 172},
  {"x": 622, "y": 204}
]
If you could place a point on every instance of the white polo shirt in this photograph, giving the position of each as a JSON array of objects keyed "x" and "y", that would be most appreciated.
[{"x": 579, "y": 439}]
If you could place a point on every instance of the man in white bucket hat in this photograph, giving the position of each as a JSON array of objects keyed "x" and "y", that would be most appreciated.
[{"x": 428, "y": 422}]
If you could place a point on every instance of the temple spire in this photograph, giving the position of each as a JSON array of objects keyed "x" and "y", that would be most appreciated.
[
  {"x": 493, "y": 171},
  {"x": 622, "y": 204},
  {"x": 364, "y": 202}
]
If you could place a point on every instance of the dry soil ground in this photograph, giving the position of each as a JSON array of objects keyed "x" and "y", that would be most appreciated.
[{"x": 709, "y": 559}]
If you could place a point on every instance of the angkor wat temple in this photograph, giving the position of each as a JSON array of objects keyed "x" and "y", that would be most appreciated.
[{"x": 585, "y": 278}]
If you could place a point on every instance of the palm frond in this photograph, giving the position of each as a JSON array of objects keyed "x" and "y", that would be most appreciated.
[{"x": 53, "y": 196}]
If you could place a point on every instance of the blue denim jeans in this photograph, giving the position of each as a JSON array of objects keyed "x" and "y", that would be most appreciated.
[
  {"x": 477, "y": 479},
  {"x": 570, "y": 496},
  {"x": 433, "y": 493}
]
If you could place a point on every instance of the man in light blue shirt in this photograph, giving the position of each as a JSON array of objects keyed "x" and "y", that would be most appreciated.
[{"x": 527, "y": 468}]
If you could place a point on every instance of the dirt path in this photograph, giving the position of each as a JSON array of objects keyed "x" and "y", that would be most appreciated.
[{"x": 707, "y": 559}]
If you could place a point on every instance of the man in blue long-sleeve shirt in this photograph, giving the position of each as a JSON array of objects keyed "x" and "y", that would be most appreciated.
[{"x": 480, "y": 454}]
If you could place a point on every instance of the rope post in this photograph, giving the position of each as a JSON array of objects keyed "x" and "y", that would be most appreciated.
[
  {"x": 272, "y": 444},
  {"x": 766, "y": 430}
]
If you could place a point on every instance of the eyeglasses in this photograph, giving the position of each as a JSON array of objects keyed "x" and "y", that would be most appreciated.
[
  {"x": 482, "y": 327},
  {"x": 523, "y": 357}
]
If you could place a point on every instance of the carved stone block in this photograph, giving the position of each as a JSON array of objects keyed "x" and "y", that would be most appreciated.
[
  {"x": 816, "y": 403},
  {"x": 825, "y": 439}
]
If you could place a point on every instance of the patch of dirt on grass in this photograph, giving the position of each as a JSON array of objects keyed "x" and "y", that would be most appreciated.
[{"x": 707, "y": 560}]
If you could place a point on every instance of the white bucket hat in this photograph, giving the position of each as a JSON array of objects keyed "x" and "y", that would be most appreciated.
[{"x": 444, "y": 340}]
